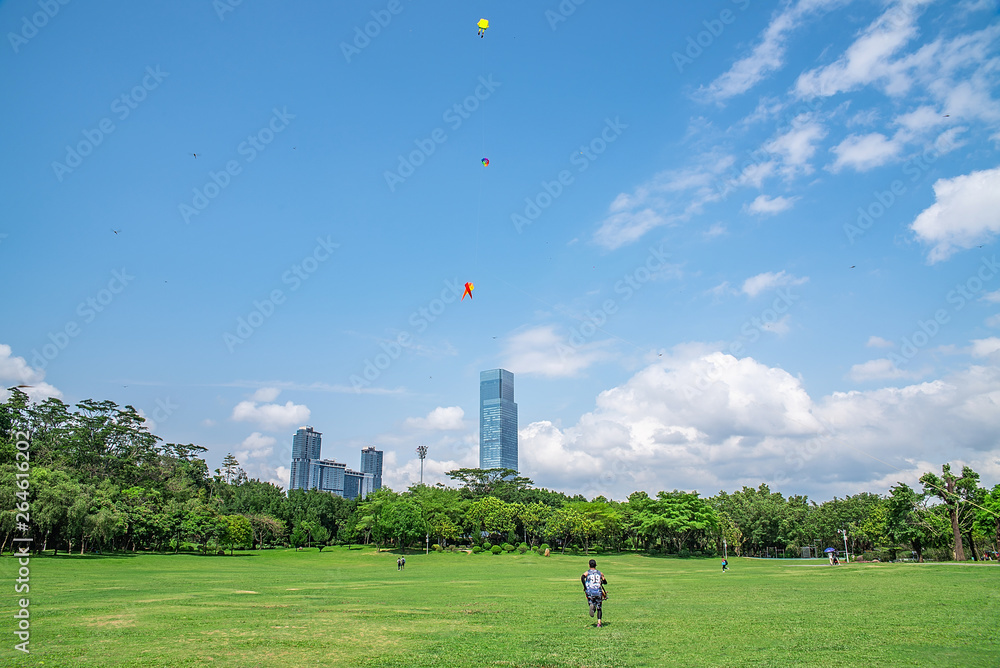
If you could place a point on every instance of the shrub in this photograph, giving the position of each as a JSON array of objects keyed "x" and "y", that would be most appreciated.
[
  {"x": 438, "y": 548},
  {"x": 522, "y": 548},
  {"x": 543, "y": 547},
  {"x": 507, "y": 547},
  {"x": 684, "y": 553},
  {"x": 496, "y": 549},
  {"x": 487, "y": 546},
  {"x": 476, "y": 549}
]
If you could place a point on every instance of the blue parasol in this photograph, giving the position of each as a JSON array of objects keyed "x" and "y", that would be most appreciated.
[{"x": 830, "y": 549}]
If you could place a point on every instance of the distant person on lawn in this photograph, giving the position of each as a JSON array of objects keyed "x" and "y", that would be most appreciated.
[{"x": 593, "y": 586}]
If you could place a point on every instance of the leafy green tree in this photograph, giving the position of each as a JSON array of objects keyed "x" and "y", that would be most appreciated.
[
  {"x": 202, "y": 522},
  {"x": 954, "y": 491},
  {"x": 321, "y": 536},
  {"x": 533, "y": 519},
  {"x": 502, "y": 483},
  {"x": 492, "y": 515},
  {"x": 239, "y": 531},
  {"x": 401, "y": 521},
  {"x": 231, "y": 472},
  {"x": 564, "y": 523},
  {"x": 988, "y": 518},
  {"x": 908, "y": 520},
  {"x": 55, "y": 492},
  {"x": 443, "y": 510},
  {"x": 266, "y": 530}
]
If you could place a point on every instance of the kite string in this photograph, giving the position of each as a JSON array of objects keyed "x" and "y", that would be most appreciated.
[{"x": 479, "y": 198}]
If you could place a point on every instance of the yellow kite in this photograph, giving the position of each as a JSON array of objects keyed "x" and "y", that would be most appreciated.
[{"x": 483, "y": 25}]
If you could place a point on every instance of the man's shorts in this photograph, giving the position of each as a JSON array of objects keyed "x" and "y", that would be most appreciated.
[{"x": 595, "y": 601}]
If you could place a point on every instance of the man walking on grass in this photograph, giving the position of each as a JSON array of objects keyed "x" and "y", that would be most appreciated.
[{"x": 593, "y": 586}]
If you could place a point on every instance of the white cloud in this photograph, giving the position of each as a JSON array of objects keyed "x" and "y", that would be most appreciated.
[
  {"x": 798, "y": 145},
  {"x": 879, "y": 342},
  {"x": 541, "y": 351},
  {"x": 868, "y": 59},
  {"x": 255, "y": 446},
  {"x": 266, "y": 394},
  {"x": 993, "y": 321},
  {"x": 880, "y": 369},
  {"x": 920, "y": 120},
  {"x": 281, "y": 476},
  {"x": 271, "y": 417},
  {"x": 668, "y": 198},
  {"x": 779, "y": 327},
  {"x": 985, "y": 347},
  {"x": 764, "y": 205},
  {"x": 148, "y": 422},
  {"x": 400, "y": 477},
  {"x": 964, "y": 213},
  {"x": 768, "y": 55},
  {"x": 755, "y": 285},
  {"x": 716, "y": 230},
  {"x": 722, "y": 289},
  {"x": 864, "y": 152},
  {"x": 625, "y": 227},
  {"x": 709, "y": 421},
  {"x": 991, "y": 297},
  {"x": 439, "y": 419},
  {"x": 16, "y": 371}
]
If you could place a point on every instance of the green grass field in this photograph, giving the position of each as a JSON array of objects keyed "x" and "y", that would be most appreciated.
[{"x": 352, "y": 608}]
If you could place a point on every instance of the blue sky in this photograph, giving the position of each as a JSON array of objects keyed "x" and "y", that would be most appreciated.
[{"x": 718, "y": 244}]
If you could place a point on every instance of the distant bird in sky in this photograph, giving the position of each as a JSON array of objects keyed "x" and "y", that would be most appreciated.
[
  {"x": 195, "y": 154},
  {"x": 852, "y": 266},
  {"x": 116, "y": 231}
]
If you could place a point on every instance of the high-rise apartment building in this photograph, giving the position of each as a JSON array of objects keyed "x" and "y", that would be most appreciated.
[
  {"x": 311, "y": 472},
  {"x": 497, "y": 420},
  {"x": 357, "y": 484},
  {"x": 371, "y": 463},
  {"x": 305, "y": 448},
  {"x": 327, "y": 475}
]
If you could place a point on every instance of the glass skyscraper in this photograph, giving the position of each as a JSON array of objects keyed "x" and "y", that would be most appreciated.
[
  {"x": 305, "y": 448},
  {"x": 497, "y": 420}
]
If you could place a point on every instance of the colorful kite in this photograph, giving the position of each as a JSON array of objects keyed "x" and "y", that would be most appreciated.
[
  {"x": 486, "y": 162},
  {"x": 469, "y": 287},
  {"x": 483, "y": 25}
]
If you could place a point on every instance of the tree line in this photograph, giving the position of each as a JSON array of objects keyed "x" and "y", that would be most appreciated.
[{"x": 100, "y": 481}]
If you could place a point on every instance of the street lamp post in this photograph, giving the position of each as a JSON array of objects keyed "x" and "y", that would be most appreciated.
[
  {"x": 422, "y": 453},
  {"x": 847, "y": 556}
]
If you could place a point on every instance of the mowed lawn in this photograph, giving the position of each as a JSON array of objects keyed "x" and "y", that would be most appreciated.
[{"x": 352, "y": 608}]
